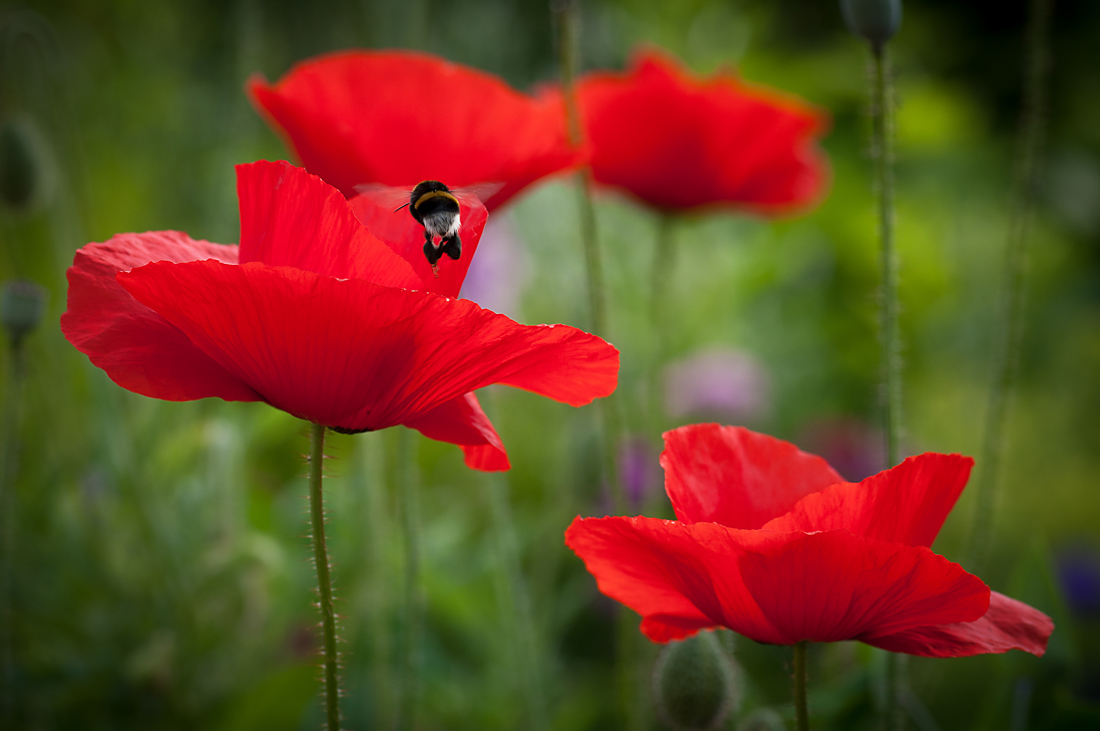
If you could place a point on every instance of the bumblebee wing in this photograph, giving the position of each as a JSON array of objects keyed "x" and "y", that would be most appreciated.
[
  {"x": 478, "y": 191},
  {"x": 386, "y": 196}
]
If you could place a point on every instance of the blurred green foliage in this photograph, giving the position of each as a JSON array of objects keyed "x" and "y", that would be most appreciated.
[{"x": 159, "y": 567}]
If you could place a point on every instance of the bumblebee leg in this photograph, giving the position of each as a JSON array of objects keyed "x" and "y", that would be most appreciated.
[
  {"x": 431, "y": 252},
  {"x": 452, "y": 247}
]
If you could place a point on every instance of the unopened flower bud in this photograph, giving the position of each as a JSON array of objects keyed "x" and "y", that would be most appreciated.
[
  {"x": 23, "y": 173},
  {"x": 22, "y": 304},
  {"x": 693, "y": 684},
  {"x": 875, "y": 20},
  {"x": 762, "y": 719}
]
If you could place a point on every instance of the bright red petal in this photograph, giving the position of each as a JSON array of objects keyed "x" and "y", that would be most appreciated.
[
  {"x": 1008, "y": 625},
  {"x": 737, "y": 477},
  {"x": 405, "y": 236},
  {"x": 779, "y": 588},
  {"x": 139, "y": 349},
  {"x": 461, "y": 421},
  {"x": 679, "y": 142},
  {"x": 832, "y": 586},
  {"x": 906, "y": 504},
  {"x": 650, "y": 565},
  {"x": 292, "y": 218},
  {"x": 400, "y": 117},
  {"x": 355, "y": 355}
]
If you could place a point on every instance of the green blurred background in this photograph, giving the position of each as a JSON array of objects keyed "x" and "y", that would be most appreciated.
[{"x": 160, "y": 573}]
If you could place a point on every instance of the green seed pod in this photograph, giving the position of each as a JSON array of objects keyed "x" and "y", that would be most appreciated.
[
  {"x": 875, "y": 20},
  {"x": 694, "y": 684},
  {"x": 24, "y": 166},
  {"x": 22, "y": 304},
  {"x": 762, "y": 719}
]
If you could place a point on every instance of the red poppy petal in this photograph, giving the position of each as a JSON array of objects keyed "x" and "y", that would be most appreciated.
[
  {"x": 292, "y": 218},
  {"x": 1008, "y": 625},
  {"x": 139, "y": 349},
  {"x": 680, "y": 142},
  {"x": 355, "y": 355},
  {"x": 400, "y": 117},
  {"x": 831, "y": 586},
  {"x": 779, "y": 588},
  {"x": 650, "y": 566},
  {"x": 405, "y": 236},
  {"x": 461, "y": 421},
  {"x": 906, "y": 504},
  {"x": 737, "y": 477}
]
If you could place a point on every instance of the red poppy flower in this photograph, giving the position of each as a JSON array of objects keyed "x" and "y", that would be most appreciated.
[
  {"x": 316, "y": 316},
  {"x": 679, "y": 142},
  {"x": 400, "y": 117},
  {"x": 772, "y": 543}
]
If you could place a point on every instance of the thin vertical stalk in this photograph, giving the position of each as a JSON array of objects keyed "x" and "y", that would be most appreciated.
[
  {"x": 8, "y": 502},
  {"x": 408, "y": 490},
  {"x": 882, "y": 154},
  {"x": 566, "y": 13},
  {"x": 376, "y": 524},
  {"x": 526, "y": 648},
  {"x": 801, "y": 708},
  {"x": 664, "y": 262},
  {"x": 1006, "y": 354},
  {"x": 324, "y": 579}
]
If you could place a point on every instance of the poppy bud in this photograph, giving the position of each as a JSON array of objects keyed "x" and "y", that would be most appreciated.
[
  {"x": 762, "y": 719},
  {"x": 20, "y": 164},
  {"x": 693, "y": 684},
  {"x": 875, "y": 20},
  {"x": 22, "y": 304}
]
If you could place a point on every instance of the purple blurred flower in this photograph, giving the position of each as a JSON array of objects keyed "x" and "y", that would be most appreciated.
[
  {"x": 728, "y": 384},
  {"x": 498, "y": 274},
  {"x": 639, "y": 469},
  {"x": 855, "y": 449},
  {"x": 1079, "y": 575}
]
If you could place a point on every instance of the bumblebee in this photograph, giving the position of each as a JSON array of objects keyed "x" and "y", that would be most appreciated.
[{"x": 435, "y": 207}]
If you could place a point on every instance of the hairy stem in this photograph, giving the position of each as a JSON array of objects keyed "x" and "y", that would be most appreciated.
[
  {"x": 801, "y": 710},
  {"x": 1006, "y": 354},
  {"x": 882, "y": 153},
  {"x": 324, "y": 579}
]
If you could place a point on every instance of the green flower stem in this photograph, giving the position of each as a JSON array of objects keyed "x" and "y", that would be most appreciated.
[
  {"x": 408, "y": 490},
  {"x": 566, "y": 14},
  {"x": 801, "y": 710},
  {"x": 517, "y": 602},
  {"x": 882, "y": 153},
  {"x": 13, "y": 406},
  {"x": 664, "y": 262},
  {"x": 1006, "y": 355},
  {"x": 324, "y": 579}
]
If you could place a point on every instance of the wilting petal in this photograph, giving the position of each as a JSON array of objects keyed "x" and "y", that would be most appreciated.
[
  {"x": 400, "y": 117},
  {"x": 1008, "y": 625},
  {"x": 737, "y": 477},
  {"x": 679, "y": 142},
  {"x": 291, "y": 218},
  {"x": 355, "y": 355},
  {"x": 461, "y": 421},
  {"x": 779, "y": 588},
  {"x": 139, "y": 349},
  {"x": 905, "y": 504},
  {"x": 401, "y": 232}
]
